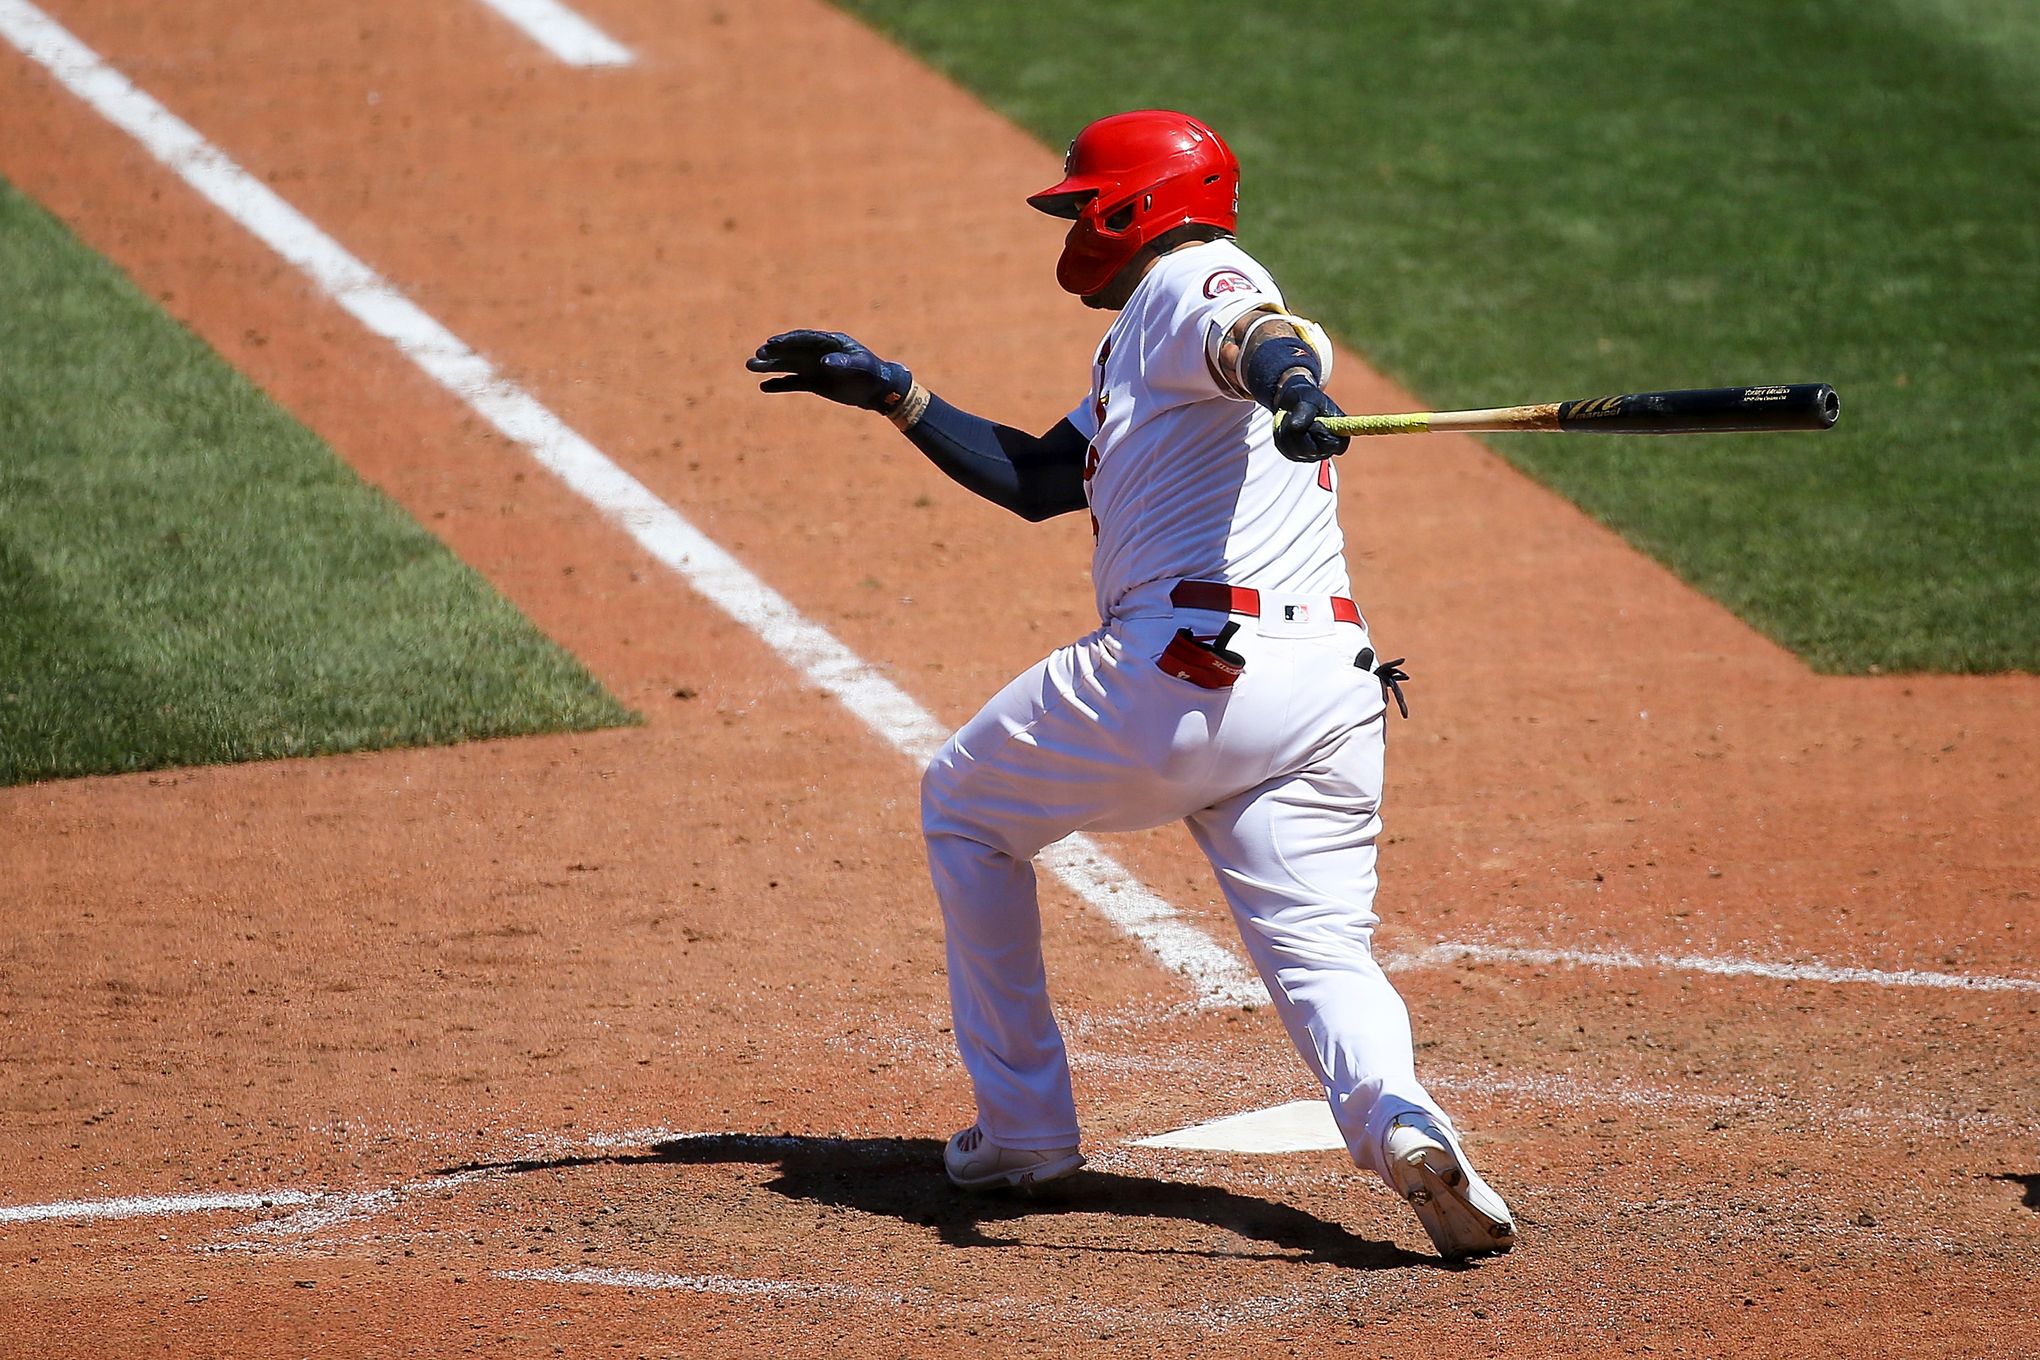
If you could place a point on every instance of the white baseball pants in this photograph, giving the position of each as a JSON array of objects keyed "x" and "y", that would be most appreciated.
[{"x": 1279, "y": 778}]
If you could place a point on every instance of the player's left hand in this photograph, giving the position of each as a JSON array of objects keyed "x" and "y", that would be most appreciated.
[
  {"x": 1298, "y": 404},
  {"x": 832, "y": 365}
]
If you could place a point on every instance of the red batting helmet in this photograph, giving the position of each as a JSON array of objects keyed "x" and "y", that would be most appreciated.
[{"x": 1131, "y": 177}]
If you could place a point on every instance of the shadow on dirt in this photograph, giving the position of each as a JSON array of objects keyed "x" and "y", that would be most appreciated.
[
  {"x": 2028, "y": 1182},
  {"x": 902, "y": 1178}
]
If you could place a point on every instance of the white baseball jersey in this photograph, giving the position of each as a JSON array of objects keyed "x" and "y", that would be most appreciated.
[{"x": 1183, "y": 478}]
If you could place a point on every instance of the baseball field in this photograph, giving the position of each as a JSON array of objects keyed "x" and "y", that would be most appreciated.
[{"x": 459, "y": 842}]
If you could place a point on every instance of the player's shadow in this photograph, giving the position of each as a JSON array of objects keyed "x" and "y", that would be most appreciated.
[
  {"x": 2027, "y": 1181},
  {"x": 902, "y": 1178}
]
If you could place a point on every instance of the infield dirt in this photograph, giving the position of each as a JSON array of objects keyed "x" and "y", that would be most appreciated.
[{"x": 471, "y": 993}]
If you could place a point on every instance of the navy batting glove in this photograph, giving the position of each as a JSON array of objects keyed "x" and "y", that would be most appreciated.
[
  {"x": 1298, "y": 404},
  {"x": 830, "y": 364}
]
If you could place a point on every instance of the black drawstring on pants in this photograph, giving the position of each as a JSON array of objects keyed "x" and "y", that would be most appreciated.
[{"x": 1389, "y": 673}]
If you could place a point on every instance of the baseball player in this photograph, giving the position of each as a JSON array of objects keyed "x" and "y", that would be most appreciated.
[{"x": 1231, "y": 685}]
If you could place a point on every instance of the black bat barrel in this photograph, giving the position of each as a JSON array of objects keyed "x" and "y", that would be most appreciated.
[{"x": 1799, "y": 406}]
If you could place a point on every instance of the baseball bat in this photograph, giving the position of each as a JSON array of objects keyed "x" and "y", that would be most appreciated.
[{"x": 1797, "y": 406}]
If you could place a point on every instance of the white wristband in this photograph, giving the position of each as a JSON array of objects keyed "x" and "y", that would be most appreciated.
[{"x": 912, "y": 407}]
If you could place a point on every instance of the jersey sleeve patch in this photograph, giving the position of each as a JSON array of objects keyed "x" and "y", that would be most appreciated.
[{"x": 1220, "y": 282}]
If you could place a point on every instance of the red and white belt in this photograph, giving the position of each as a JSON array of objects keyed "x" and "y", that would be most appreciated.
[{"x": 1221, "y": 598}]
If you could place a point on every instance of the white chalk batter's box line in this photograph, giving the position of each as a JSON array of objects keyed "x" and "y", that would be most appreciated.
[
  {"x": 1218, "y": 976},
  {"x": 1453, "y": 951},
  {"x": 317, "y": 1223},
  {"x": 1217, "y": 1315},
  {"x": 1294, "y": 1125}
]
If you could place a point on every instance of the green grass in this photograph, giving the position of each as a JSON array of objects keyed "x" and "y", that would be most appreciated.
[
  {"x": 1502, "y": 203},
  {"x": 188, "y": 576}
]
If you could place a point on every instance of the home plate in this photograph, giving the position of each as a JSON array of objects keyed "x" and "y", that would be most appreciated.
[{"x": 1299, "y": 1126}]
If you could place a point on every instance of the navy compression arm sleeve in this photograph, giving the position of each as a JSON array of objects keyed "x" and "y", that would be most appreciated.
[{"x": 1035, "y": 478}]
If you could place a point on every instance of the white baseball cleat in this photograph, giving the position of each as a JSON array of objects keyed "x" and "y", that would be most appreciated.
[
  {"x": 975, "y": 1162},
  {"x": 1463, "y": 1216}
]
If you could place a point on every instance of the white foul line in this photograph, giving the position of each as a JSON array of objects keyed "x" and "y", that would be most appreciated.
[
  {"x": 1220, "y": 978},
  {"x": 1451, "y": 951},
  {"x": 562, "y": 32}
]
